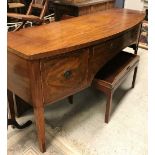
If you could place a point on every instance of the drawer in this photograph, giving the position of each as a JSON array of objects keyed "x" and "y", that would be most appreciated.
[
  {"x": 104, "y": 52},
  {"x": 115, "y": 70},
  {"x": 64, "y": 75}
]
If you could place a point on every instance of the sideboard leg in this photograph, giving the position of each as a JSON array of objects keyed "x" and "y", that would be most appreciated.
[
  {"x": 11, "y": 104},
  {"x": 38, "y": 102},
  {"x": 40, "y": 124},
  {"x": 134, "y": 77},
  {"x": 70, "y": 99},
  {"x": 108, "y": 106}
]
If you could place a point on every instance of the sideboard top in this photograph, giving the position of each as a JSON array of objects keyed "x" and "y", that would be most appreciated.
[{"x": 71, "y": 34}]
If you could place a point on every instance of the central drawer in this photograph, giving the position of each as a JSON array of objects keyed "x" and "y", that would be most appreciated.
[{"x": 64, "y": 75}]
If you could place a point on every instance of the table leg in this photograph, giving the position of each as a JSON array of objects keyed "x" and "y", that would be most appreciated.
[
  {"x": 40, "y": 124},
  {"x": 38, "y": 102},
  {"x": 70, "y": 99},
  {"x": 134, "y": 77},
  {"x": 108, "y": 106},
  {"x": 11, "y": 104}
]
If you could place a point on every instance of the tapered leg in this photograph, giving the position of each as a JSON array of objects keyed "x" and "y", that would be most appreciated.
[
  {"x": 38, "y": 101},
  {"x": 40, "y": 124},
  {"x": 11, "y": 104},
  {"x": 70, "y": 99},
  {"x": 134, "y": 77},
  {"x": 108, "y": 106}
]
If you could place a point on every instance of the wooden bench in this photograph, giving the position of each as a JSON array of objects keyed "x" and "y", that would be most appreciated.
[{"x": 113, "y": 74}]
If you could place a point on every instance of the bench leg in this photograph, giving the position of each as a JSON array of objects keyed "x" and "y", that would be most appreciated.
[
  {"x": 134, "y": 77},
  {"x": 108, "y": 106},
  {"x": 70, "y": 99}
]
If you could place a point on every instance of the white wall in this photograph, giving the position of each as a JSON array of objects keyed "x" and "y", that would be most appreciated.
[{"x": 134, "y": 4}]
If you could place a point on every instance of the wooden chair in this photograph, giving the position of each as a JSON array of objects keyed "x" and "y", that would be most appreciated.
[{"x": 40, "y": 5}]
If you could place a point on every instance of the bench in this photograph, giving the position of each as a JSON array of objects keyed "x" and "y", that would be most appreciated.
[{"x": 113, "y": 74}]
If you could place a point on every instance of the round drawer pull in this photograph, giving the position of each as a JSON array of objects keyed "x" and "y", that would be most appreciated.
[{"x": 68, "y": 74}]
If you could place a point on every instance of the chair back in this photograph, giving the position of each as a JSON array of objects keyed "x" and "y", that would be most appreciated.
[{"x": 40, "y": 5}]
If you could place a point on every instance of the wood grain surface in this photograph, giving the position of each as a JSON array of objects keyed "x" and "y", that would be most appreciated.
[{"x": 72, "y": 34}]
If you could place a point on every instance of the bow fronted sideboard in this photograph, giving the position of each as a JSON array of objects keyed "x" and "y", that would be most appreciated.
[{"x": 50, "y": 62}]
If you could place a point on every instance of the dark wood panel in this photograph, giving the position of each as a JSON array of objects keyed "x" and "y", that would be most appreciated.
[
  {"x": 104, "y": 52},
  {"x": 18, "y": 76}
]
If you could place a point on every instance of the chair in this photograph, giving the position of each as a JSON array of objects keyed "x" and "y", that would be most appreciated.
[
  {"x": 15, "y": 5},
  {"x": 40, "y": 5}
]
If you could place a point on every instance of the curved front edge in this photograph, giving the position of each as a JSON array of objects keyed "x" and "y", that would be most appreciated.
[{"x": 100, "y": 54}]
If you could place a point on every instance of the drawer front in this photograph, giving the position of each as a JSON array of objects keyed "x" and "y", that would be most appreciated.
[
  {"x": 104, "y": 52},
  {"x": 64, "y": 75},
  {"x": 126, "y": 68}
]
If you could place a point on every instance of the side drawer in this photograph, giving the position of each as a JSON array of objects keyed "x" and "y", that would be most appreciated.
[
  {"x": 18, "y": 80},
  {"x": 64, "y": 75}
]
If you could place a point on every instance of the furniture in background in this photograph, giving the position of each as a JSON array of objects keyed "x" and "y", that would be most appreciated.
[
  {"x": 109, "y": 78},
  {"x": 78, "y": 8},
  {"x": 144, "y": 34},
  {"x": 41, "y": 6},
  {"x": 56, "y": 65},
  {"x": 15, "y": 6}
]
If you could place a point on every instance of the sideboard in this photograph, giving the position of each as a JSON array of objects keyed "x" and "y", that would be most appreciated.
[{"x": 50, "y": 62}]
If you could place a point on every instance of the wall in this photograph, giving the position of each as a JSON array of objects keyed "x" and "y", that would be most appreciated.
[
  {"x": 119, "y": 3},
  {"x": 134, "y": 4}
]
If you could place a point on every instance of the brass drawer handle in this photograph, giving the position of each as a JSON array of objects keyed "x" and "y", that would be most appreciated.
[{"x": 68, "y": 74}]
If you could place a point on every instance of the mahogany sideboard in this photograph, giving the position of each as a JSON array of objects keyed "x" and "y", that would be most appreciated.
[
  {"x": 80, "y": 7},
  {"x": 50, "y": 62}
]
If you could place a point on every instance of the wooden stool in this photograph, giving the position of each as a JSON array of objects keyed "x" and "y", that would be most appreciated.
[{"x": 113, "y": 74}]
